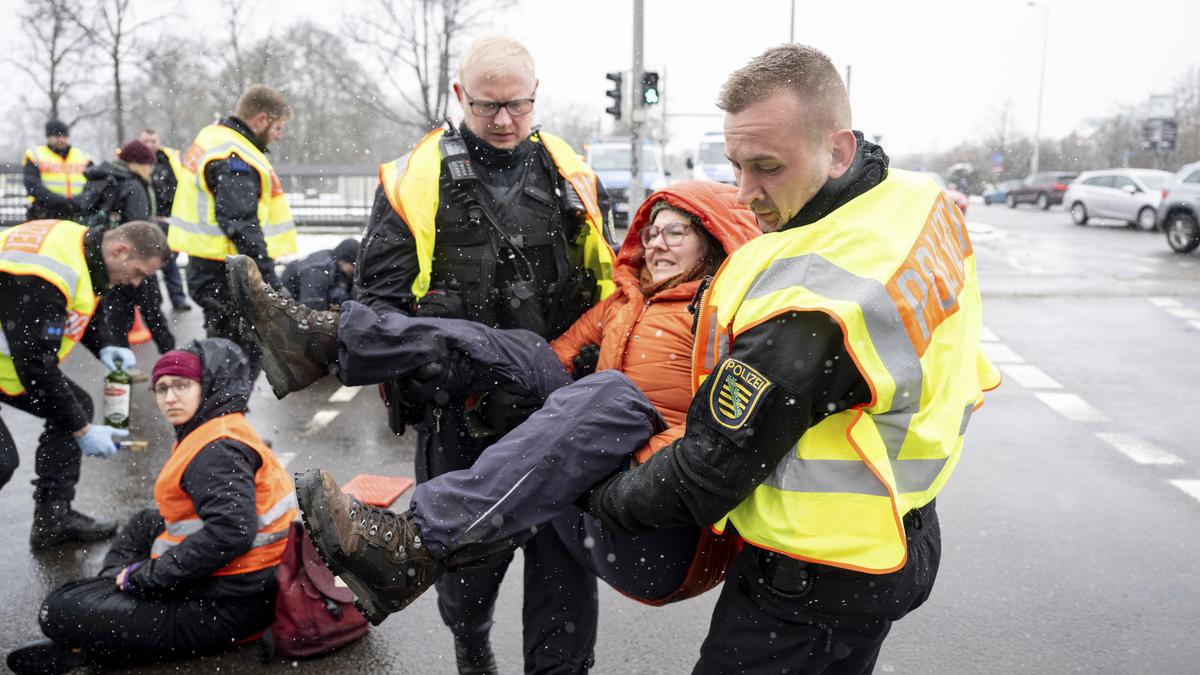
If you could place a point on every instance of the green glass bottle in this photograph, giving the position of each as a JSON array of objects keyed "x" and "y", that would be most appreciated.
[{"x": 116, "y": 397}]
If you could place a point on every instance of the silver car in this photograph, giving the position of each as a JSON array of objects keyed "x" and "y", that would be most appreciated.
[{"x": 1131, "y": 195}]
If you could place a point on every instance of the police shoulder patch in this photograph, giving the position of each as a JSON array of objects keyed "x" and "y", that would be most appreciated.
[{"x": 736, "y": 391}]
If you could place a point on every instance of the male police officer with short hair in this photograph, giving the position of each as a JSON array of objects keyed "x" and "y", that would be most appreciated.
[
  {"x": 500, "y": 223},
  {"x": 54, "y": 174}
]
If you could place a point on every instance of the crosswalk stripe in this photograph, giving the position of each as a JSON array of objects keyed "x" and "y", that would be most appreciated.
[
  {"x": 1000, "y": 353},
  {"x": 1183, "y": 312},
  {"x": 1030, "y": 377},
  {"x": 986, "y": 335},
  {"x": 344, "y": 394},
  {"x": 1165, "y": 302},
  {"x": 1191, "y": 487},
  {"x": 320, "y": 420},
  {"x": 1139, "y": 450},
  {"x": 1071, "y": 406}
]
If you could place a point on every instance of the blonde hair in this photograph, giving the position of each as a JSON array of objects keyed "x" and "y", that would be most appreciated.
[{"x": 490, "y": 55}]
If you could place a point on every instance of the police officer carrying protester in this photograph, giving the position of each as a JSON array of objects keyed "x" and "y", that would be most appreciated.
[
  {"x": 837, "y": 364},
  {"x": 229, "y": 201},
  {"x": 54, "y": 174},
  {"x": 164, "y": 179},
  {"x": 51, "y": 274},
  {"x": 497, "y": 222}
]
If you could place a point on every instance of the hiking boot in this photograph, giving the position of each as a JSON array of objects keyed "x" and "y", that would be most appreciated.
[
  {"x": 43, "y": 658},
  {"x": 474, "y": 656},
  {"x": 56, "y": 523},
  {"x": 298, "y": 343},
  {"x": 379, "y": 554}
]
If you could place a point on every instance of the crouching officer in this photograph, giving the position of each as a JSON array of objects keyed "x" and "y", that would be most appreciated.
[
  {"x": 52, "y": 273},
  {"x": 492, "y": 223},
  {"x": 228, "y": 201},
  {"x": 323, "y": 278},
  {"x": 836, "y": 365}
]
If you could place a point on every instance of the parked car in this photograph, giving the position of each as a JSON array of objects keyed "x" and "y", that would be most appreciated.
[
  {"x": 1044, "y": 189},
  {"x": 612, "y": 160},
  {"x": 708, "y": 161},
  {"x": 959, "y": 199},
  {"x": 997, "y": 193},
  {"x": 1179, "y": 213},
  {"x": 1131, "y": 195}
]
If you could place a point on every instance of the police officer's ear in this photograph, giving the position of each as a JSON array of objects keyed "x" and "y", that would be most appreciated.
[{"x": 843, "y": 148}]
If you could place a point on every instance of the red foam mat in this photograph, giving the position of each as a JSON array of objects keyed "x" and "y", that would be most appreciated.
[{"x": 377, "y": 490}]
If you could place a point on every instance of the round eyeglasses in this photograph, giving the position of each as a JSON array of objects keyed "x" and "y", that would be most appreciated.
[{"x": 672, "y": 235}]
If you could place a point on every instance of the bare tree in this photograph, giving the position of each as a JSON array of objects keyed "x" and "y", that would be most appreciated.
[
  {"x": 109, "y": 24},
  {"x": 415, "y": 43},
  {"x": 56, "y": 43},
  {"x": 175, "y": 86}
]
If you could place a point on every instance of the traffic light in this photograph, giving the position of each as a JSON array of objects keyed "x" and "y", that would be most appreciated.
[
  {"x": 615, "y": 95},
  {"x": 650, "y": 94}
]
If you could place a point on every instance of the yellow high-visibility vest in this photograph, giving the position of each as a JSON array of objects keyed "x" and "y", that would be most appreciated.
[
  {"x": 52, "y": 250},
  {"x": 194, "y": 228},
  {"x": 411, "y": 186},
  {"x": 63, "y": 176},
  {"x": 896, "y": 269},
  {"x": 175, "y": 161}
]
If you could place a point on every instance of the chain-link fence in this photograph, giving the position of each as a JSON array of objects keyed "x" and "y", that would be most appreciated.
[{"x": 320, "y": 195}]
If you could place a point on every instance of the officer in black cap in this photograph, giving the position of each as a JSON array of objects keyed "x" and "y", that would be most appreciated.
[
  {"x": 323, "y": 278},
  {"x": 54, "y": 174}
]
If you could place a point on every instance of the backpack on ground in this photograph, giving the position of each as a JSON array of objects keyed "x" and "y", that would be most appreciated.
[{"x": 313, "y": 615}]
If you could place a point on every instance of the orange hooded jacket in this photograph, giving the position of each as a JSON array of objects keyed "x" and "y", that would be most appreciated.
[{"x": 650, "y": 340}]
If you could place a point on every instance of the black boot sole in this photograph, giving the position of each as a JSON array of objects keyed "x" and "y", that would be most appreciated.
[
  {"x": 278, "y": 375},
  {"x": 314, "y": 512},
  {"x": 43, "y": 657}
]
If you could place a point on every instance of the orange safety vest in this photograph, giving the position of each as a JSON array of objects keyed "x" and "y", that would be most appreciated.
[{"x": 274, "y": 496}]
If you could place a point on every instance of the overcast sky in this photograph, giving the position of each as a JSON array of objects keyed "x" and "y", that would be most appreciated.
[{"x": 925, "y": 74}]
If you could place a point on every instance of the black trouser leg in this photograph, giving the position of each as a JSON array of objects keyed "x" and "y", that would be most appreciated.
[
  {"x": 112, "y": 626},
  {"x": 9, "y": 458},
  {"x": 206, "y": 282},
  {"x": 767, "y": 621},
  {"x": 467, "y": 600},
  {"x": 133, "y": 543},
  {"x": 58, "y": 454},
  {"x": 174, "y": 281},
  {"x": 559, "y": 628}
]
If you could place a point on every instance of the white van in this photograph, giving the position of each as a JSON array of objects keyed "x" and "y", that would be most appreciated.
[{"x": 708, "y": 160}]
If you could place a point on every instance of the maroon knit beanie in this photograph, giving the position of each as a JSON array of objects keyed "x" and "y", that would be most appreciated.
[
  {"x": 136, "y": 152},
  {"x": 179, "y": 363}
]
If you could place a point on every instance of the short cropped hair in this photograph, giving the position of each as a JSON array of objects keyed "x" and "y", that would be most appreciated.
[
  {"x": 259, "y": 98},
  {"x": 150, "y": 131},
  {"x": 491, "y": 53},
  {"x": 802, "y": 70},
  {"x": 146, "y": 240}
]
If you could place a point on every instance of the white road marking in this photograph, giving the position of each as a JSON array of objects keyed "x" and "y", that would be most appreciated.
[
  {"x": 1139, "y": 450},
  {"x": 1148, "y": 259},
  {"x": 320, "y": 420},
  {"x": 344, "y": 394},
  {"x": 1071, "y": 407},
  {"x": 286, "y": 458},
  {"x": 1191, "y": 487},
  {"x": 1142, "y": 269},
  {"x": 1195, "y": 324},
  {"x": 1030, "y": 377},
  {"x": 1165, "y": 302},
  {"x": 1183, "y": 312},
  {"x": 986, "y": 335},
  {"x": 1000, "y": 353}
]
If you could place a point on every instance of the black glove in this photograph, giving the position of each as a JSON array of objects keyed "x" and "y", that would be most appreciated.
[
  {"x": 429, "y": 385},
  {"x": 585, "y": 363},
  {"x": 506, "y": 407}
]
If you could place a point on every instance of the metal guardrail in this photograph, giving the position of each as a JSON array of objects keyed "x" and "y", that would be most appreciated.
[{"x": 319, "y": 195}]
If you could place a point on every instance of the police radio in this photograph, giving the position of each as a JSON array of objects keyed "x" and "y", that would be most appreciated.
[{"x": 457, "y": 161}]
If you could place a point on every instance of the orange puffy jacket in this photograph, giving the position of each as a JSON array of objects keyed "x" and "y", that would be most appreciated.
[{"x": 650, "y": 340}]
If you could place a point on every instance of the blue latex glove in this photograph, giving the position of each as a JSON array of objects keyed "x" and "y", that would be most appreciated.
[
  {"x": 110, "y": 354},
  {"x": 98, "y": 441}
]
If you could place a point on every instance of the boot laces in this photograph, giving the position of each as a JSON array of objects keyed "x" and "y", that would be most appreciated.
[{"x": 381, "y": 526}]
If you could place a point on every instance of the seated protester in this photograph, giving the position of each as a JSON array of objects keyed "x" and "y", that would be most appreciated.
[
  {"x": 324, "y": 278},
  {"x": 118, "y": 192},
  {"x": 533, "y": 475},
  {"x": 196, "y": 574}
]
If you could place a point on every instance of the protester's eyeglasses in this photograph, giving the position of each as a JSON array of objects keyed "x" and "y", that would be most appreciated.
[
  {"x": 516, "y": 107},
  {"x": 672, "y": 234},
  {"x": 180, "y": 387}
]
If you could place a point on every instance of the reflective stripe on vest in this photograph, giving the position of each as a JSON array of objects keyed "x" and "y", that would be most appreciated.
[
  {"x": 411, "y": 186},
  {"x": 51, "y": 250},
  {"x": 275, "y": 497},
  {"x": 194, "y": 229},
  {"x": 907, "y": 300},
  {"x": 60, "y": 175}
]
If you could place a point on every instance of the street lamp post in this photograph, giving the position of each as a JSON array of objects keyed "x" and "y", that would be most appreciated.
[{"x": 1037, "y": 130}]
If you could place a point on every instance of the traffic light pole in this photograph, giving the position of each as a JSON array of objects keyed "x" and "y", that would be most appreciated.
[{"x": 637, "y": 113}]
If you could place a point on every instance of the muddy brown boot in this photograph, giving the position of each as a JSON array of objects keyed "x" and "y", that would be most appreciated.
[
  {"x": 379, "y": 554},
  {"x": 298, "y": 344}
]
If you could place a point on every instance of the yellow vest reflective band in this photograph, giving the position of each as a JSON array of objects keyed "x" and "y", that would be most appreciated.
[
  {"x": 194, "y": 229},
  {"x": 52, "y": 250},
  {"x": 895, "y": 268},
  {"x": 411, "y": 186},
  {"x": 60, "y": 176},
  {"x": 175, "y": 161}
]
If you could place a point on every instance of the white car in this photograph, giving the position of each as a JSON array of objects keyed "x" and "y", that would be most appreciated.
[{"x": 1131, "y": 195}]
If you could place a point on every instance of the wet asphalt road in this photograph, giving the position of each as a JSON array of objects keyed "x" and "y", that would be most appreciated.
[{"x": 1070, "y": 528}]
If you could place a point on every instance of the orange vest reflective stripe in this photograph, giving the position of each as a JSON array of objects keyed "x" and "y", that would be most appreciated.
[
  {"x": 63, "y": 176},
  {"x": 274, "y": 496}
]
